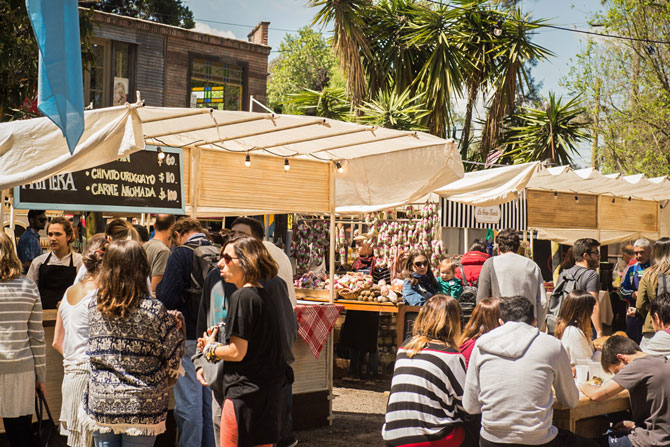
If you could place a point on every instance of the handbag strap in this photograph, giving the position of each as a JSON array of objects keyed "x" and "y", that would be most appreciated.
[
  {"x": 43, "y": 402},
  {"x": 465, "y": 280}
]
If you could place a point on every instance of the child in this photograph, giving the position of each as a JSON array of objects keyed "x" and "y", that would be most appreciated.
[{"x": 448, "y": 283}]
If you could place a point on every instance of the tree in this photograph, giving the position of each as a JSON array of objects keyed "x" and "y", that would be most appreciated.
[
  {"x": 552, "y": 132},
  {"x": 394, "y": 111},
  {"x": 626, "y": 88},
  {"x": 331, "y": 102},
  {"x": 19, "y": 59},
  {"x": 305, "y": 61},
  {"x": 169, "y": 12}
]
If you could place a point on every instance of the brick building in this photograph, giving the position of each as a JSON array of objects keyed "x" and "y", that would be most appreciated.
[{"x": 174, "y": 67}]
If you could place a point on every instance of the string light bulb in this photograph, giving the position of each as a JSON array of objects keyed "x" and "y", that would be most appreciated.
[
  {"x": 160, "y": 154},
  {"x": 497, "y": 31},
  {"x": 287, "y": 166},
  {"x": 576, "y": 198},
  {"x": 613, "y": 200},
  {"x": 555, "y": 194},
  {"x": 339, "y": 167},
  {"x": 247, "y": 160}
]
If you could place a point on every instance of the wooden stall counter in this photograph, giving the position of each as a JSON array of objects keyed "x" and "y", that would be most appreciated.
[
  {"x": 582, "y": 419},
  {"x": 322, "y": 296}
]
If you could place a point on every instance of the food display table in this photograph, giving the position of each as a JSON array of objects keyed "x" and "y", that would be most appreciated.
[
  {"x": 321, "y": 296},
  {"x": 570, "y": 418}
]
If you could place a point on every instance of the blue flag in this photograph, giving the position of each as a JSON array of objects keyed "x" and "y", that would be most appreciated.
[{"x": 61, "y": 86}]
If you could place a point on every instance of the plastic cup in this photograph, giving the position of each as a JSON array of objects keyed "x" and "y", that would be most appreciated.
[{"x": 582, "y": 373}]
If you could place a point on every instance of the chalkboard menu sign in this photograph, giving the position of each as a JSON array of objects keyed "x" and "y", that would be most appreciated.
[{"x": 139, "y": 183}]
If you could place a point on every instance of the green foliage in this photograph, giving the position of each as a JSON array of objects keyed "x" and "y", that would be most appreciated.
[
  {"x": 331, "y": 102},
  {"x": 437, "y": 52},
  {"x": 169, "y": 12},
  {"x": 394, "y": 111},
  {"x": 305, "y": 61},
  {"x": 549, "y": 133},
  {"x": 19, "y": 58},
  {"x": 626, "y": 88}
]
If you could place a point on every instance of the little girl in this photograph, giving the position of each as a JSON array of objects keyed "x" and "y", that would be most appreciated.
[{"x": 449, "y": 285}]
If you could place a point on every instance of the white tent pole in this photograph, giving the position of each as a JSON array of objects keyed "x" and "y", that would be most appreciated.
[
  {"x": 2, "y": 208},
  {"x": 331, "y": 251},
  {"x": 251, "y": 103},
  {"x": 466, "y": 238},
  {"x": 210, "y": 126},
  {"x": 11, "y": 216}
]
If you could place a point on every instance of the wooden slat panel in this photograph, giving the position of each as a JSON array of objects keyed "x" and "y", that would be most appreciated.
[
  {"x": 310, "y": 373},
  {"x": 623, "y": 214},
  {"x": 186, "y": 160},
  {"x": 546, "y": 210},
  {"x": 224, "y": 181}
]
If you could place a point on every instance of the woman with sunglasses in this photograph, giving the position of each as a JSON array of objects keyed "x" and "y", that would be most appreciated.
[
  {"x": 254, "y": 368},
  {"x": 420, "y": 283}
]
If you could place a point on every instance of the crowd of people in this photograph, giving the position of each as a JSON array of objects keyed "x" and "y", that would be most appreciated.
[
  {"x": 136, "y": 318},
  {"x": 493, "y": 379}
]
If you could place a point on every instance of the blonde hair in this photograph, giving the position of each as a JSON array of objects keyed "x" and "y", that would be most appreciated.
[
  {"x": 447, "y": 265},
  {"x": 10, "y": 266},
  {"x": 439, "y": 319}
]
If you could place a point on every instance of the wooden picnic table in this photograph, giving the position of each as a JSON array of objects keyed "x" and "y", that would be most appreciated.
[{"x": 570, "y": 418}]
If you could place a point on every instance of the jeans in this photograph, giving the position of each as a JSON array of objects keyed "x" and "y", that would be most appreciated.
[
  {"x": 193, "y": 405},
  {"x": 634, "y": 328},
  {"x": 114, "y": 440},
  {"x": 616, "y": 438},
  {"x": 286, "y": 436},
  {"x": 356, "y": 359}
]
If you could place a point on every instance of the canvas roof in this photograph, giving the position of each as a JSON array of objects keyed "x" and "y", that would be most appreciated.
[{"x": 383, "y": 168}]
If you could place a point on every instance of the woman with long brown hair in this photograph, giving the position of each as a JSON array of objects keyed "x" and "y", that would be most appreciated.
[
  {"x": 135, "y": 348},
  {"x": 573, "y": 326},
  {"x": 659, "y": 271},
  {"x": 71, "y": 339},
  {"x": 255, "y": 362},
  {"x": 485, "y": 317},
  {"x": 428, "y": 368},
  {"x": 420, "y": 282},
  {"x": 22, "y": 347}
]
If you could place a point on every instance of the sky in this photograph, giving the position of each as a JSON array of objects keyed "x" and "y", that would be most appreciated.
[{"x": 236, "y": 18}]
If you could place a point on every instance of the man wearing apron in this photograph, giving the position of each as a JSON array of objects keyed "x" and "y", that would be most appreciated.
[{"x": 54, "y": 272}]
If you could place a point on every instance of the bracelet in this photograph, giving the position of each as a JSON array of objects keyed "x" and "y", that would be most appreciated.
[{"x": 210, "y": 352}]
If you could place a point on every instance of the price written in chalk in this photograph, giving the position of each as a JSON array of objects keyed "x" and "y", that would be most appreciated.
[{"x": 138, "y": 182}]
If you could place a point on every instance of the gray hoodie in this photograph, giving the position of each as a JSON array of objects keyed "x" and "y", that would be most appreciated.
[
  {"x": 509, "y": 379},
  {"x": 659, "y": 344}
]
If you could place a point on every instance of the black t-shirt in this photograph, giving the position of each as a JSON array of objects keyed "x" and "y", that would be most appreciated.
[{"x": 253, "y": 316}]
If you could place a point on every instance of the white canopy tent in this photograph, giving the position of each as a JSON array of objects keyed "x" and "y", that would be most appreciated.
[
  {"x": 381, "y": 168},
  {"x": 500, "y": 185}
]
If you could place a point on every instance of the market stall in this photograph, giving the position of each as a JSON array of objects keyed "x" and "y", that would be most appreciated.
[{"x": 237, "y": 163}]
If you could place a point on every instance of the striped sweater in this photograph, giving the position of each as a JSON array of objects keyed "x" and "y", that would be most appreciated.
[
  {"x": 426, "y": 393},
  {"x": 22, "y": 345},
  {"x": 134, "y": 362}
]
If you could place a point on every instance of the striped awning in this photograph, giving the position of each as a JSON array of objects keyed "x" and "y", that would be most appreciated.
[{"x": 513, "y": 214}]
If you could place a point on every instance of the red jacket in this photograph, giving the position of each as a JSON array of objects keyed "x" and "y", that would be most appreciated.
[{"x": 472, "y": 264}]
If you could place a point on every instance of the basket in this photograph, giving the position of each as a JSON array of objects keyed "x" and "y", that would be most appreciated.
[{"x": 347, "y": 294}]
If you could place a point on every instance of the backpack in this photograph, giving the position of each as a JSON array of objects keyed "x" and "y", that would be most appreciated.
[
  {"x": 566, "y": 284},
  {"x": 468, "y": 299},
  {"x": 205, "y": 258},
  {"x": 663, "y": 284}
]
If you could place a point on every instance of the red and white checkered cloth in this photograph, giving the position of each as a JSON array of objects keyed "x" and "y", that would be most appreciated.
[{"x": 315, "y": 321}]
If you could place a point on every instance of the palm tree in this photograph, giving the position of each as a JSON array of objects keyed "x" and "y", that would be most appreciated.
[
  {"x": 330, "y": 103},
  {"x": 509, "y": 75},
  {"x": 549, "y": 133},
  {"x": 394, "y": 111},
  {"x": 349, "y": 40},
  {"x": 434, "y": 31}
]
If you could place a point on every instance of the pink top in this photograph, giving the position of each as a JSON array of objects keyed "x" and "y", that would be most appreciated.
[{"x": 466, "y": 349}]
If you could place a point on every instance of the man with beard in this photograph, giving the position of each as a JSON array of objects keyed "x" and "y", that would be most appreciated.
[{"x": 587, "y": 260}]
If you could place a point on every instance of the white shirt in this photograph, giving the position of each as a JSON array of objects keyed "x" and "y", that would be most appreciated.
[
  {"x": 75, "y": 325},
  {"x": 576, "y": 344},
  {"x": 285, "y": 268},
  {"x": 34, "y": 270}
]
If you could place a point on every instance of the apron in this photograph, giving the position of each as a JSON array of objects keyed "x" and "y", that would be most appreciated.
[{"x": 53, "y": 281}]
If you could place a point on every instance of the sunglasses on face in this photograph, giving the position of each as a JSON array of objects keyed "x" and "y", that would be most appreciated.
[
  {"x": 227, "y": 258},
  {"x": 421, "y": 264}
]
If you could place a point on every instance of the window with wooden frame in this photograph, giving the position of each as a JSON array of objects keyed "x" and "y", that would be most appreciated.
[
  {"x": 110, "y": 80},
  {"x": 216, "y": 84}
]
